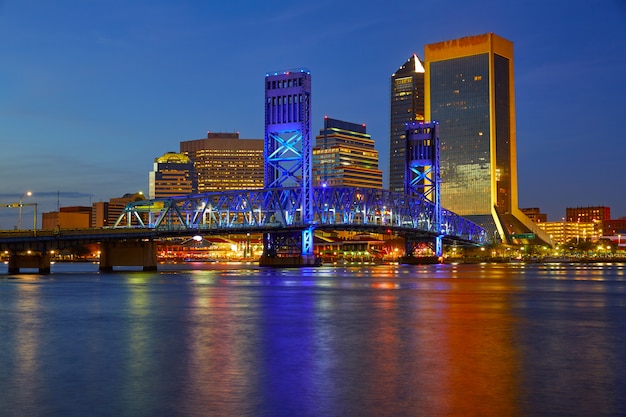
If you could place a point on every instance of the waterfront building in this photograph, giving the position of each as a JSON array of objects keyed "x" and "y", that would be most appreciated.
[
  {"x": 344, "y": 156},
  {"x": 223, "y": 161},
  {"x": 116, "y": 206},
  {"x": 173, "y": 175},
  {"x": 74, "y": 217},
  {"x": 100, "y": 214},
  {"x": 594, "y": 214},
  {"x": 469, "y": 88},
  {"x": 564, "y": 231},
  {"x": 614, "y": 227},
  {"x": 407, "y": 105},
  {"x": 588, "y": 214},
  {"x": 535, "y": 214}
]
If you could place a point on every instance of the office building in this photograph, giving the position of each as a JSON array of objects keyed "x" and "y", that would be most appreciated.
[
  {"x": 407, "y": 105},
  {"x": 469, "y": 88},
  {"x": 588, "y": 214},
  {"x": 173, "y": 175},
  {"x": 116, "y": 206},
  {"x": 74, "y": 217},
  {"x": 596, "y": 215},
  {"x": 615, "y": 227},
  {"x": 565, "y": 232},
  {"x": 223, "y": 161},
  {"x": 100, "y": 214},
  {"x": 535, "y": 214},
  {"x": 344, "y": 156}
]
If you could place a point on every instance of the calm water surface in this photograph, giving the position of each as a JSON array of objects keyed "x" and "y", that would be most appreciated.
[{"x": 239, "y": 340}]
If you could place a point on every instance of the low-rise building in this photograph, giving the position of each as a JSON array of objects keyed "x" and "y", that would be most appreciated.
[
  {"x": 614, "y": 227},
  {"x": 535, "y": 214},
  {"x": 563, "y": 232},
  {"x": 75, "y": 217}
]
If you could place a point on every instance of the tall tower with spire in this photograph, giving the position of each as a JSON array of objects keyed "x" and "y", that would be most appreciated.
[{"x": 407, "y": 105}]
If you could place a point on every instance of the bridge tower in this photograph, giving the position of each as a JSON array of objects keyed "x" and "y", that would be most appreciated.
[
  {"x": 288, "y": 156},
  {"x": 422, "y": 176}
]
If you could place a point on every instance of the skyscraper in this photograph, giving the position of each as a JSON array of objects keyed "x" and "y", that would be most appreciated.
[
  {"x": 344, "y": 156},
  {"x": 407, "y": 105},
  {"x": 173, "y": 175},
  {"x": 469, "y": 90},
  {"x": 223, "y": 162}
]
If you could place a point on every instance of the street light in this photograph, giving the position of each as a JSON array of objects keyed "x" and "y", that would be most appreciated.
[{"x": 19, "y": 218}]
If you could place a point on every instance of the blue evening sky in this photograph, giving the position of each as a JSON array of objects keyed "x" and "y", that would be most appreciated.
[{"x": 91, "y": 91}]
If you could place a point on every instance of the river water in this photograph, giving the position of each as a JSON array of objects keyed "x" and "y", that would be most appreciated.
[{"x": 240, "y": 340}]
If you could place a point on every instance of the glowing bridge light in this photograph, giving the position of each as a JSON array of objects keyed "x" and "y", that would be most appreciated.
[{"x": 197, "y": 238}]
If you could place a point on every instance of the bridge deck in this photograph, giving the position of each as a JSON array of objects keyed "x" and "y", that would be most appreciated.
[{"x": 261, "y": 211}]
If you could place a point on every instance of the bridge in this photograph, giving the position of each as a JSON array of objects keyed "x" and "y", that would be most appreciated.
[
  {"x": 132, "y": 239},
  {"x": 287, "y": 211},
  {"x": 280, "y": 210}
]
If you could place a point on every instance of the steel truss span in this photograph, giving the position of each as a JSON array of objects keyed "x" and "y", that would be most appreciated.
[{"x": 280, "y": 209}]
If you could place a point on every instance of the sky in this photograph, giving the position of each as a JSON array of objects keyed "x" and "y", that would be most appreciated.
[{"x": 91, "y": 91}]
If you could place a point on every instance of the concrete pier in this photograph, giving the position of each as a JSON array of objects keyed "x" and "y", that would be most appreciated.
[
  {"x": 128, "y": 253},
  {"x": 36, "y": 260}
]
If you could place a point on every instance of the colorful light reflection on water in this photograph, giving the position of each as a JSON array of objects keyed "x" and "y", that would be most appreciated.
[{"x": 240, "y": 340}]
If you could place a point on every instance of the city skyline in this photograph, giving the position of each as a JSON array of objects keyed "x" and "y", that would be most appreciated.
[{"x": 94, "y": 92}]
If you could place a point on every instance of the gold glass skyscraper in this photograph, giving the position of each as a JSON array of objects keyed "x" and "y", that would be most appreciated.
[{"x": 469, "y": 88}]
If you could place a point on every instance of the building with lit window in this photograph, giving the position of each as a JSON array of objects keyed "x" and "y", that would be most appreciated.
[
  {"x": 223, "y": 161},
  {"x": 615, "y": 227},
  {"x": 344, "y": 156},
  {"x": 116, "y": 206},
  {"x": 564, "y": 232},
  {"x": 173, "y": 175},
  {"x": 407, "y": 105},
  {"x": 100, "y": 214},
  {"x": 106, "y": 213},
  {"x": 588, "y": 214},
  {"x": 535, "y": 214},
  {"x": 469, "y": 89}
]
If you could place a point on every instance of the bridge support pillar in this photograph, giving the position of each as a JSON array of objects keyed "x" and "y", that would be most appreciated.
[
  {"x": 288, "y": 249},
  {"x": 39, "y": 261},
  {"x": 128, "y": 253},
  {"x": 439, "y": 247},
  {"x": 434, "y": 252}
]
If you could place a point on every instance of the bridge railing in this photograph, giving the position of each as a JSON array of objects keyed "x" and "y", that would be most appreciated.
[{"x": 280, "y": 208}]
